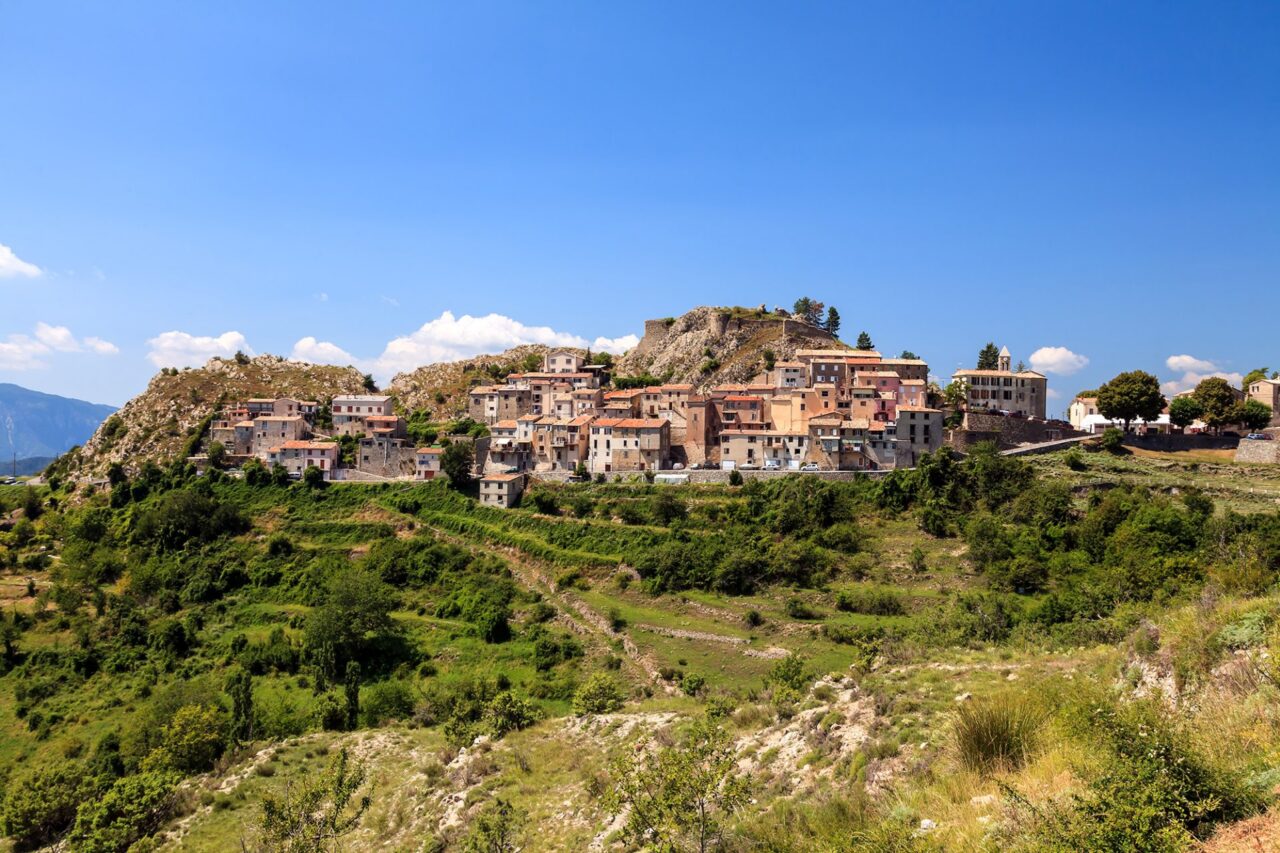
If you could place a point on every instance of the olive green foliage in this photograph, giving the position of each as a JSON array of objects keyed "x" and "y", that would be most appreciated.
[
  {"x": 600, "y": 694},
  {"x": 1129, "y": 396},
  {"x": 40, "y": 804},
  {"x": 314, "y": 815},
  {"x": 456, "y": 462},
  {"x": 997, "y": 733},
  {"x": 681, "y": 797},
  {"x": 355, "y": 614},
  {"x": 192, "y": 740},
  {"x": 496, "y": 829},
  {"x": 131, "y": 809},
  {"x": 1154, "y": 791}
]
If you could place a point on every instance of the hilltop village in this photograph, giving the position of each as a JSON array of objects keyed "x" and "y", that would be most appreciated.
[{"x": 820, "y": 410}]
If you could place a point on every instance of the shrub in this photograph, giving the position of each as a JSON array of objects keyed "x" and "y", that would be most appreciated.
[
  {"x": 753, "y": 619},
  {"x": 508, "y": 712},
  {"x": 797, "y": 608},
  {"x": 133, "y": 808},
  {"x": 41, "y": 804},
  {"x": 600, "y": 694},
  {"x": 871, "y": 602},
  {"x": 735, "y": 477},
  {"x": 996, "y": 733},
  {"x": 1112, "y": 440},
  {"x": 386, "y": 700},
  {"x": 192, "y": 741},
  {"x": 789, "y": 672}
]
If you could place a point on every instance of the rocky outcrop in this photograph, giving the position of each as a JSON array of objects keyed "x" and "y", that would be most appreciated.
[
  {"x": 440, "y": 389},
  {"x": 157, "y": 424},
  {"x": 708, "y": 346}
]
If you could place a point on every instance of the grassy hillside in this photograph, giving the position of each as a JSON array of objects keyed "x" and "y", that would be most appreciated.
[{"x": 962, "y": 657}]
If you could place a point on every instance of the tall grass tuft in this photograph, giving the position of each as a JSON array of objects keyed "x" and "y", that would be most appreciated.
[{"x": 997, "y": 733}]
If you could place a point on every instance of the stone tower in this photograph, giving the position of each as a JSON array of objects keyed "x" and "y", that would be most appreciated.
[{"x": 1004, "y": 359}]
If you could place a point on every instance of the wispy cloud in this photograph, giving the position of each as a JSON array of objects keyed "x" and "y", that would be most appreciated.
[
  {"x": 1188, "y": 363},
  {"x": 1058, "y": 360},
  {"x": 180, "y": 349},
  {"x": 12, "y": 266}
]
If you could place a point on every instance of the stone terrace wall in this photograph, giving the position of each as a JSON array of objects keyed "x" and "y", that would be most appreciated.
[
  {"x": 1266, "y": 452},
  {"x": 1015, "y": 431},
  {"x": 717, "y": 476}
]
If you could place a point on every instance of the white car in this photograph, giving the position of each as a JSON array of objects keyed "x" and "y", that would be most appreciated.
[{"x": 809, "y": 467}]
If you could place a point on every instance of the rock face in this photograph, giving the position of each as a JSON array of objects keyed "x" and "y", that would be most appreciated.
[
  {"x": 708, "y": 346},
  {"x": 441, "y": 389},
  {"x": 157, "y": 424}
]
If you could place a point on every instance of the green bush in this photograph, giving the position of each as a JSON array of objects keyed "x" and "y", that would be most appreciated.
[
  {"x": 386, "y": 700},
  {"x": 1112, "y": 440},
  {"x": 130, "y": 810},
  {"x": 508, "y": 712},
  {"x": 41, "y": 803},
  {"x": 600, "y": 694}
]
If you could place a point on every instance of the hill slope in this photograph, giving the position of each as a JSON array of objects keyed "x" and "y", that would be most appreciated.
[
  {"x": 36, "y": 424},
  {"x": 156, "y": 424},
  {"x": 708, "y": 345},
  {"x": 440, "y": 389}
]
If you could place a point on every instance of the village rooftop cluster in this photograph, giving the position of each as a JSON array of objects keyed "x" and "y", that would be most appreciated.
[{"x": 822, "y": 410}]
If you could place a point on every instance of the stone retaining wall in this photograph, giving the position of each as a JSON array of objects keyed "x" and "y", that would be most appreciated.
[
  {"x": 1265, "y": 452},
  {"x": 716, "y": 476}
]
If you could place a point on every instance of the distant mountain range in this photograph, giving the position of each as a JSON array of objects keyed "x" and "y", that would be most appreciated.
[{"x": 33, "y": 424}]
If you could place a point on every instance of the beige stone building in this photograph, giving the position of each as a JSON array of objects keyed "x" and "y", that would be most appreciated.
[
  {"x": 297, "y": 456},
  {"x": 270, "y": 431},
  {"x": 501, "y": 490},
  {"x": 1002, "y": 390},
  {"x": 1080, "y": 410},
  {"x": 492, "y": 403},
  {"x": 350, "y": 411},
  {"x": 1266, "y": 392},
  {"x": 628, "y": 444},
  {"x": 428, "y": 462}
]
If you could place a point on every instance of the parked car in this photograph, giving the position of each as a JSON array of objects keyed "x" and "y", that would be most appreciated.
[
  {"x": 809, "y": 467},
  {"x": 10, "y": 481},
  {"x": 749, "y": 466},
  {"x": 1258, "y": 436},
  {"x": 772, "y": 464}
]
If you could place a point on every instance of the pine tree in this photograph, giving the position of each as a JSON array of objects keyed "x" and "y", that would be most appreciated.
[
  {"x": 864, "y": 341},
  {"x": 989, "y": 357},
  {"x": 833, "y": 321}
]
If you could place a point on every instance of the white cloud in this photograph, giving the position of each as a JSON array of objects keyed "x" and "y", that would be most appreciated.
[
  {"x": 57, "y": 338},
  {"x": 617, "y": 346},
  {"x": 179, "y": 349},
  {"x": 1194, "y": 371},
  {"x": 452, "y": 338},
  {"x": 1189, "y": 363},
  {"x": 1191, "y": 379},
  {"x": 100, "y": 346},
  {"x": 12, "y": 266},
  {"x": 26, "y": 352},
  {"x": 322, "y": 297},
  {"x": 21, "y": 352},
  {"x": 321, "y": 352},
  {"x": 1058, "y": 360}
]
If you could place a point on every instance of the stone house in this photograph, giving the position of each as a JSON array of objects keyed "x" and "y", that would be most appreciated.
[
  {"x": 560, "y": 444},
  {"x": 351, "y": 411},
  {"x": 507, "y": 449},
  {"x": 501, "y": 490},
  {"x": 1022, "y": 393},
  {"x": 489, "y": 404},
  {"x": 1266, "y": 392},
  {"x": 287, "y": 406},
  {"x": 270, "y": 432},
  {"x": 428, "y": 462},
  {"x": 562, "y": 361},
  {"x": 628, "y": 444},
  {"x": 385, "y": 456},
  {"x": 918, "y": 431},
  {"x": 297, "y": 456},
  {"x": 1080, "y": 409}
]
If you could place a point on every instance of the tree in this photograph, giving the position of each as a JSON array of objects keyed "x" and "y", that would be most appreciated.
[
  {"x": 1183, "y": 411},
  {"x": 680, "y": 797},
  {"x": 833, "y": 321},
  {"x": 41, "y": 803},
  {"x": 599, "y": 694},
  {"x": 809, "y": 310},
  {"x": 456, "y": 462},
  {"x": 1253, "y": 414},
  {"x": 313, "y": 478},
  {"x": 956, "y": 394},
  {"x": 989, "y": 357},
  {"x": 352, "y": 690},
  {"x": 864, "y": 341},
  {"x": 770, "y": 359},
  {"x": 1135, "y": 394},
  {"x": 370, "y": 386},
  {"x": 191, "y": 742},
  {"x": 1253, "y": 376},
  {"x": 240, "y": 689},
  {"x": 1218, "y": 401},
  {"x": 906, "y": 353},
  {"x": 495, "y": 830},
  {"x": 356, "y": 609},
  {"x": 217, "y": 454},
  {"x": 317, "y": 813}
]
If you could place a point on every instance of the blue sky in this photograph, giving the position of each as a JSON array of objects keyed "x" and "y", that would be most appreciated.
[{"x": 329, "y": 179}]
